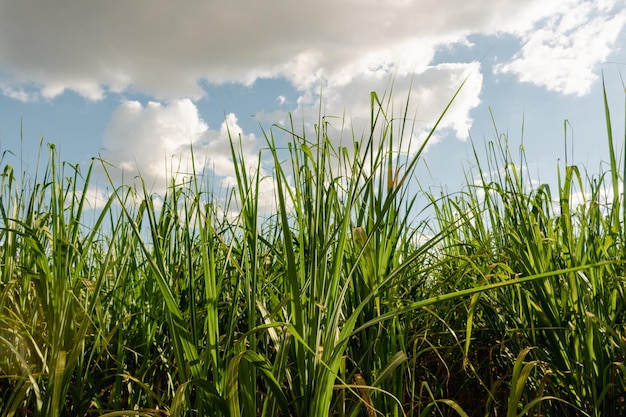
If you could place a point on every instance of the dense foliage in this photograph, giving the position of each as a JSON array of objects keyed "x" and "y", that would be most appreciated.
[{"x": 509, "y": 300}]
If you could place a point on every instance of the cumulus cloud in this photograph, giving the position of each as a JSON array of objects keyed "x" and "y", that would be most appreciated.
[
  {"x": 147, "y": 141},
  {"x": 164, "y": 49},
  {"x": 169, "y": 50},
  {"x": 96, "y": 198},
  {"x": 156, "y": 142},
  {"x": 561, "y": 51},
  {"x": 421, "y": 97},
  {"x": 159, "y": 142}
]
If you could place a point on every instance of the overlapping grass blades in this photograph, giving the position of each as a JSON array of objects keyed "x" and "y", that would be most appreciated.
[
  {"x": 340, "y": 302},
  {"x": 575, "y": 320}
]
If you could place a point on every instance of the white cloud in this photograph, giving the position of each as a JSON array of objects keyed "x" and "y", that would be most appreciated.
[
  {"x": 216, "y": 146},
  {"x": 165, "y": 48},
  {"x": 88, "y": 89},
  {"x": 156, "y": 142},
  {"x": 427, "y": 94},
  {"x": 562, "y": 52},
  {"x": 16, "y": 94},
  {"x": 96, "y": 198},
  {"x": 153, "y": 141}
]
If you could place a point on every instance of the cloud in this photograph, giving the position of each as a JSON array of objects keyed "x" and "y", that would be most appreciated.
[
  {"x": 142, "y": 133},
  {"x": 562, "y": 51},
  {"x": 216, "y": 147},
  {"x": 169, "y": 50},
  {"x": 95, "y": 197},
  {"x": 164, "y": 49},
  {"x": 153, "y": 141},
  {"x": 160, "y": 142},
  {"x": 421, "y": 97},
  {"x": 16, "y": 94}
]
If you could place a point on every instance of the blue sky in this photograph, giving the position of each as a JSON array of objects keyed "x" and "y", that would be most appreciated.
[{"x": 137, "y": 82}]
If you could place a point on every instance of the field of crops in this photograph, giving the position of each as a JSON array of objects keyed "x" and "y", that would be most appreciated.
[{"x": 508, "y": 300}]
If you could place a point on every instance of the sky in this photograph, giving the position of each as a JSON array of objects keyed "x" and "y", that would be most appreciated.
[{"x": 137, "y": 82}]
